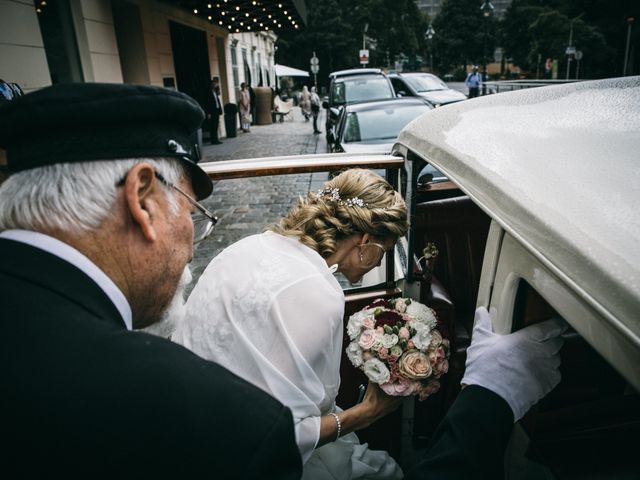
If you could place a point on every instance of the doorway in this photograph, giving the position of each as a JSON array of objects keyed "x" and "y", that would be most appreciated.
[{"x": 191, "y": 61}]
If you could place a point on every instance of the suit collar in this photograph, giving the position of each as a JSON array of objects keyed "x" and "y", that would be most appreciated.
[{"x": 40, "y": 267}]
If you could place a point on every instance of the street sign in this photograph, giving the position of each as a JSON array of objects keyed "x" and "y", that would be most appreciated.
[
  {"x": 315, "y": 68},
  {"x": 570, "y": 51},
  {"x": 579, "y": 55},
  {"x": 364, "y": 57},
  {"x": 314, "y": 60}
]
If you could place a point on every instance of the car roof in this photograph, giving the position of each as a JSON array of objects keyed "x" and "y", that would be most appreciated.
[
  {"x": 355, "y": 71},
  {"x": 375, "y": 104},
  {"x": 557, "y": 168}
]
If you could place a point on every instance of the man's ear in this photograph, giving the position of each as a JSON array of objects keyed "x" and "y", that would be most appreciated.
[{"x": 142, "y": 190}]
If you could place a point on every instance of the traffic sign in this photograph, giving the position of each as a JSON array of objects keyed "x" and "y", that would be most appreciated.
[
  {"x": 364, "y": 57},
  {"x": 315, "y": 68},
  {"x": 314, "y": 60},
  {"x": 579, "y": 55}
]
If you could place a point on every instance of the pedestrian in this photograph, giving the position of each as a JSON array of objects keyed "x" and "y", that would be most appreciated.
[
  {"x": 96, "y": 231},
  {"x": 305, "y": 103},
  {"x": 473, "y": 82},
  {"x": 214, "y": 110},
  {"x": 245, "y": 108},
  {"x": 315, "y": 108}
]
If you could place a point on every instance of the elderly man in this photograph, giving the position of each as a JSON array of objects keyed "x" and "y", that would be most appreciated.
[{"x": 96, "y": 222}]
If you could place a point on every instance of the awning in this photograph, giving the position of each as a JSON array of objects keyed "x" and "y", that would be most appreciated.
[{"x": 284, "y": 71}]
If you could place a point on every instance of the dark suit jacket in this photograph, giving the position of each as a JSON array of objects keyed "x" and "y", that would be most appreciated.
[
  {"x": 211, "y": 105},
  {"x": 83, "y": 397},
  {"x": 470, "y": 442}
]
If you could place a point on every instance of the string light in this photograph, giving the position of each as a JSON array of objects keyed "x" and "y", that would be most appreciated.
[{"x": 195, "y": 10}]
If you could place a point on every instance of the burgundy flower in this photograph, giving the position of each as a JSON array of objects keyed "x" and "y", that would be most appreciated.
[
  {"x": 388, "y": 317},
  {"x": 379, "y": 303}
]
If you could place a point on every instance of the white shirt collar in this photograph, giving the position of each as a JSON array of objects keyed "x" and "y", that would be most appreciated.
[{"x": 78, "y": 260}]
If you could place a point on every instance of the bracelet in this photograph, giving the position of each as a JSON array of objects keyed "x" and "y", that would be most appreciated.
[{"x": 338, "y": 424}]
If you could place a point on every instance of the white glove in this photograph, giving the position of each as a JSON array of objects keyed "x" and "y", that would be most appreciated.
[{"x": 521, "y": 367}]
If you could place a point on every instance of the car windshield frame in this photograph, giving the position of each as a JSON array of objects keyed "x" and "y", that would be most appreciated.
[
  {"x": 372, "y": 119},
  {"x": 423, "y": 83}
]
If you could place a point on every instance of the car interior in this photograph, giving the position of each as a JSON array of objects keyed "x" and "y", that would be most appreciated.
[{"x": 585, "y": 428}]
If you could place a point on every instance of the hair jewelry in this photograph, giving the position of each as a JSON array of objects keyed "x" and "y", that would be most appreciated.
[{"x": 334, "y": 194}]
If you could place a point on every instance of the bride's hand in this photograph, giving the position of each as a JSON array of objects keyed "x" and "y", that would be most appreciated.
[{"x": 378, "y": 404}]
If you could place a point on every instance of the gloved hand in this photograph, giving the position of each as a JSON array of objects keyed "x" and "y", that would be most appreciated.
[{"x": 521, "y": 367}]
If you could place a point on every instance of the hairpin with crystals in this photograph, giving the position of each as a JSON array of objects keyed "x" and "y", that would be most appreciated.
[{"x": 334, "y": 195}]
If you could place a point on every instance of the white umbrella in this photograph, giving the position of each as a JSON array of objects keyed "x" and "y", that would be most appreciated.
[{"x": 284, "y": 71}]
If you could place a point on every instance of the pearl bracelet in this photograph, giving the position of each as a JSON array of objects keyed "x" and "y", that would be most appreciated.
[{"x": 338, "y": 423}]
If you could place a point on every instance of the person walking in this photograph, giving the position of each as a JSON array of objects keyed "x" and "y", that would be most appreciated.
[
  {"x": 214, "y": 110},
  {"x": 305, "y": 103},
  {"x": 473, "y": 82},
  {"x": 96, "y": 229},
  {"x": 245, "y": 108},
  {"x": 315, "y": 108}
]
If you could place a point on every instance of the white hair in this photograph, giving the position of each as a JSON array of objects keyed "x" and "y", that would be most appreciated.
[{"x": 72, "y": 197}]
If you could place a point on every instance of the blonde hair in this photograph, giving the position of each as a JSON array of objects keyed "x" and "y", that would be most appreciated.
[{"x": 356, "y": 201}]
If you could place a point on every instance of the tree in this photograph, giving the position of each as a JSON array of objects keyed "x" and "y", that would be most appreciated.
[
  {"x": 335, "y": 29},
  {"x": 464, "y": 35}
]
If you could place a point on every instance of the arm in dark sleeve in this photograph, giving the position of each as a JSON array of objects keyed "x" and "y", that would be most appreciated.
[{"x": 471, "y": 439}]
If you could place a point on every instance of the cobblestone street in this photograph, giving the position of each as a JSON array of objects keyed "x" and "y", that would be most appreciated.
[{"x": 245, "y": 206}]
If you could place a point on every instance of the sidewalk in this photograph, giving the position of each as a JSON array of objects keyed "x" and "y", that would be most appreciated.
[
  {"x": 282, "y": 138},
  {"x": 245, "y": 206}
]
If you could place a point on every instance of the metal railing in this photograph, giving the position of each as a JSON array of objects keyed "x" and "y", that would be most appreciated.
[{"x": 510, "y": 85}]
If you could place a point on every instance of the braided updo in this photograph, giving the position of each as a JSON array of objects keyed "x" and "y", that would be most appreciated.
[{"x": 321, "y": 220}]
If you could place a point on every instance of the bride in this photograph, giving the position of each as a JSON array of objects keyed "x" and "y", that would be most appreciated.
[{"x": 269, "y": 309}]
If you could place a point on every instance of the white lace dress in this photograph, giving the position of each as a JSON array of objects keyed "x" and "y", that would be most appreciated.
[{"x": 270, "y": 310}]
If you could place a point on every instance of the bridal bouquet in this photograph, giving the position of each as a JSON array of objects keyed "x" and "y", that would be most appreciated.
[{"x": 396, "y": 344}]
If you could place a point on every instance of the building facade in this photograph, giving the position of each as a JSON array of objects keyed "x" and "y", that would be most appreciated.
[{"x": 147, "y": 42}]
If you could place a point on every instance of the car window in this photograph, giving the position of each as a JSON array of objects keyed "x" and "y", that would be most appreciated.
[
  {"x": 380, "y": 124},
  {"x": 399, "y": 85},
  {"x": 362, "y": 89},
  {"x": 426, "y": 84}
]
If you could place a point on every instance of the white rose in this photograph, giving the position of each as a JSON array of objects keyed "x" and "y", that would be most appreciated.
[
  {"x": 422, "y": 313},
  {"x": 354, "y": 354},
  {"x": 400, "y": 305},
  {"x": 354, "y": 325},
  {"x": 422, "y": 338},
  {"x": 376, "y": 371},
  {"x": 389, "y": 340}
]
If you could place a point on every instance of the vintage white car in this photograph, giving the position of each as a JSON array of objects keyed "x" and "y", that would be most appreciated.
[{"x": 539, "y": 217}]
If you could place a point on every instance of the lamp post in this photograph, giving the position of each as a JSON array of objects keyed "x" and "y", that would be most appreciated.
[
  {"x": 487, "y": 12},
  {"x": 429, "y": 34},
  {"x": 630, "y": 22}
]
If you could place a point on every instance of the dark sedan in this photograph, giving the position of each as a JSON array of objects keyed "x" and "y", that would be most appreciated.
[{"x": 374, "y": 126}]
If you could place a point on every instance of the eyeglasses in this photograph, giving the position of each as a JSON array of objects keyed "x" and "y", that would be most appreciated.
[{"x": 203, "y": 220}]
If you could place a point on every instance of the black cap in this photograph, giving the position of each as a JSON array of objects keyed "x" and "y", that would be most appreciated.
[{"x": 78, "y": 122}]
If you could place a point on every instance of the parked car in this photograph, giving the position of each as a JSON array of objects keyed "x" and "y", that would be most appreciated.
[
  {"x": 353, "y": 86},
  {"x": 425, "y": 85},
  {"x": 531, "y": 229},
  {"x": 373, "y": 126}
]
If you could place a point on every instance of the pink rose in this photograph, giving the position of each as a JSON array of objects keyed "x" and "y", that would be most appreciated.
[
  {"x": 400, "y": 388},
  {"x": 436, "y": 339},
  {"x": 367, "y": 356},
  {"x": 383, "y": 353},
  {"x": 367, "y": 339},
  {"x": 379, "y": 329},
  {"x": 415, "y": 365},
  {"x": 404, "y": 333},
  {"x": 368, "y": 323},
  {"x": 411, "y": 345}
]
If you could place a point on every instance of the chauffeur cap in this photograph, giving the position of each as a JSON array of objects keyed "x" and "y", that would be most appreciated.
[{"x": 78, "y": 122}]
